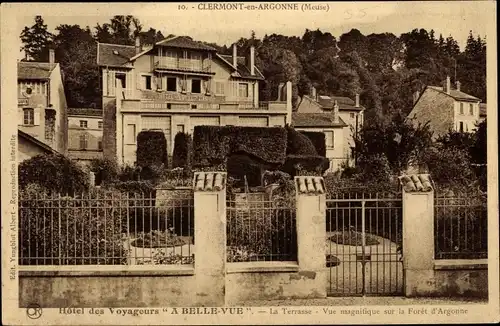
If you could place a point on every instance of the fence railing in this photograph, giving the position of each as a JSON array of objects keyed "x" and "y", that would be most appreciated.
[
  {"x": 102, "y": 228},
  {"x": 260, "y": 231},
  {"x": 460, "y": 224}
]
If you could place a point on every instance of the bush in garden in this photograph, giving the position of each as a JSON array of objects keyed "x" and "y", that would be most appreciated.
[
  {"x": 54, "y": 172},
  {"x": 240, "y": 166},
  {"x": 375, "y": 167},
  {"x": 106, "y": 170},
  {"x": 318, "y": 140},
  {"x": 182, "y": 150},
  {"x": 129, "y": 173},
  {"x": 85, "y": 227},
  {"x": 151, "y": 148},
  {"x": 305, "y": 165}
]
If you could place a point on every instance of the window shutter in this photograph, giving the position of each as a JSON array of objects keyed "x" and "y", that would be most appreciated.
[
  {"x": 20, "y": 114},
  {"x": 111, "y": 83},
  {"x": 36, "y": 117},
  {"x": 104, "y": 82}
]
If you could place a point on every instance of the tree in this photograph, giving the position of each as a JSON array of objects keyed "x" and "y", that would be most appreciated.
[
  {"x": 151, "y": 36},
  {"x": 36, "y": 41},
  {"x": 120, "y": 30},
  {"x": 81, "y": 77}
]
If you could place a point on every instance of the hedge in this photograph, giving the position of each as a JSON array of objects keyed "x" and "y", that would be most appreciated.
[
  {"x": 182, "y": 156},
  {"x": 299, "y": 144},
  {"x": 53, "y": 172},
  {"x": 241, "y": 165},
  {"x": 151, "y": 148},
  {"x": 212, "y": 145},
  {"x": 106, "y": 170},
  {"x": 318, "y": 140},
  {"x": 300, "y": 164}
]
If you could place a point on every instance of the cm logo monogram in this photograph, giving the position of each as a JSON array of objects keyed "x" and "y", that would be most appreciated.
[{"x": 34, "y": 311}]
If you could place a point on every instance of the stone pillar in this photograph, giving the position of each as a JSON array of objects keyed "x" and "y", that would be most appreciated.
[
  {"x": 210, "y": 237},
  {"x": 418, "y": 233},
  {"x": 311, "y": 230}
]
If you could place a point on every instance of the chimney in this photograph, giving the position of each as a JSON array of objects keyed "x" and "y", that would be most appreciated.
[
  {"x": 52, "y": 56},
  {"x": 448, "y": 85},
  {"x": 252, "y": 60},
  {"x": 357, "y": 100},
  {"x": 458, "y": 86},
  {"x": 416, "y": 95},
  {"x": 335, "y": 112},
  {"x": 138, "y": 48},
  {"x": 235, "y": 56},
  {"x": 313, "y": 92}
]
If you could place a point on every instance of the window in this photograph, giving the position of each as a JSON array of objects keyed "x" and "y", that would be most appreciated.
[
  {"x": 83, "y": 141},
  {"x": 171, "y": 84},
  {"x": 461, "y": 108},
  {"x": 352, "y": 115},
  {"x": 461, "y": 128},
  {"x": 180, "y": 128},
  {"x": 29, "y": 117},
  {"x": 83, "y": 123},
  {"x": 169, "y": 106},
  {"x": 219, "y": 88},
  {"x": 146, "y": 82},
  {"x": 243, "y": 90},
  {"x": 122, "y": 79},
  {"x": 99, "y": 124},
  {"x": 130, "y": 134},
  {"x": 99, "y": 144},
  {"x": 329, "y": 139},
  {"x": 471, "y": 109},
  {"x": 194, "y": 106},
  {"x": 196, "y": 86}
]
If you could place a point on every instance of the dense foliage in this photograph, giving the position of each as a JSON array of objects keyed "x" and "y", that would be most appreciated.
[
  {"x": 182, "y": 156},
  {"x": 54, "y": 173},
  {"x": 151, "y": 149},
  {"x": 318, "y": 140}
]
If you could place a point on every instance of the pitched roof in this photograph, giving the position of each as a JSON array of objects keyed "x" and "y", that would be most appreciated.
[
  {"x": 185, "y": 42},
  {"x": 316, "y": 120},
  {"x": 114, "y": 55},
  {"x": 457, "y": 95},
  {"x": 35, "y": 141},
  {"x": 34, "y": 70},
  {"x": 482, "y": 109},
  {"x": 345, "y": 103},
  {"x": 85, "y": 111},
  {"x": 242, "y": 68}
]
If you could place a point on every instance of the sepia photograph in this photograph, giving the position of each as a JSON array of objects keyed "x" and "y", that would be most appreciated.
[{"x": 279, "y": 163}]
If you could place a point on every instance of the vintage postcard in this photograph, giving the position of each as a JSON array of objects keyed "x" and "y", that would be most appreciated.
[{"x": 249, "y": 163}]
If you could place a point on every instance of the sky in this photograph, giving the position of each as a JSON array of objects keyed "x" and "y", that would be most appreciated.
[{"x": 226, "y": 26}]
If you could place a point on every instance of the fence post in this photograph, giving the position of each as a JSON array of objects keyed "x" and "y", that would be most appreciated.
[
  {"x": 418, "y": 234},
  {"x": 210, "y": 237},
  {"x": 311, "y": 230}
]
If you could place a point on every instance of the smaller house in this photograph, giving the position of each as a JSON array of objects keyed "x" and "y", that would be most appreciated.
[
  {"x": 85, "y": 131},
  {"x": 29, "y": 146},
  {"x": 42, "y": 102},
  {"x": 445, "y": 109},
  {"x": 339, "y": 117}
]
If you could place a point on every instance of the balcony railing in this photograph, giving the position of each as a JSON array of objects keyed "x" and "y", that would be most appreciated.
[{"x": 181, "y": 64}]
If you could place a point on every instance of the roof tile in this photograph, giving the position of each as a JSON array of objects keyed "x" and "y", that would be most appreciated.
[
  {"x": 308, "y": 185},
  {"x": 185, "y": 42},
  {"x": 300, "y": 119},
  {"x": 34, "y": 70},
  {"x": 114, "y": 55},
  {"x": 344, "y": 103},
  {"x": 416, "y": 183},
  {"x": 209, "y": 181},
  {"x": 457, "y": 95},
  {"x": 242, "y": 67}
]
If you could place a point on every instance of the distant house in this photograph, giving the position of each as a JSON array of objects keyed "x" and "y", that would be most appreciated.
[
  {"x": 446, "y": 109},
  {"x": 42, "y": 103},
  {"x": 85, "y": 127},
  {"x": 339, "y": 118},
  {"x": 29, "y": 146}
]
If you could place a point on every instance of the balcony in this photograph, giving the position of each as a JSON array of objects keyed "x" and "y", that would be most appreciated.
[{"x": 182, "y": 65}]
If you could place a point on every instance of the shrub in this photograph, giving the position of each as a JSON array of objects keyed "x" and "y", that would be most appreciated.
[
  {"x": 152, "y": 172},
  {"x": 375, "y": 167},
  {"x": 91, "y": 229},
  {"x": 299, "y": 144},
  {"x": 106, "y": 170},
  {"x": 133, "y": 187},
  {"x": 318, "y": 140},
  {"x": 305, "y": 165},
  {"x": 449, "y": 166},
  {"x": 240, "y": 166},
  {"x": 53, "y": 172},
  {"x": 212, "y": 145},
  {"x": 182, "y": 150},
  {"x": 129, "y": 173},
  {"x": 151, "y": 148},
  {"x": 177, "y": 177}
]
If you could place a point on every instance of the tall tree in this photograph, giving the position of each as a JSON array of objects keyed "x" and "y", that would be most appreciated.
[
  {"x": 36, "y": 41},
  {"x": 120, "y": 30}
]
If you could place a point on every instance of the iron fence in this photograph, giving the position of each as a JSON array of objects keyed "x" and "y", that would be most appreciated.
[
  {"x": 260, "y": 231},
  {"x": 460, "y": 226},
  {"x": 105, "y": 228},
  {"x": 364, "y": 243}
]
